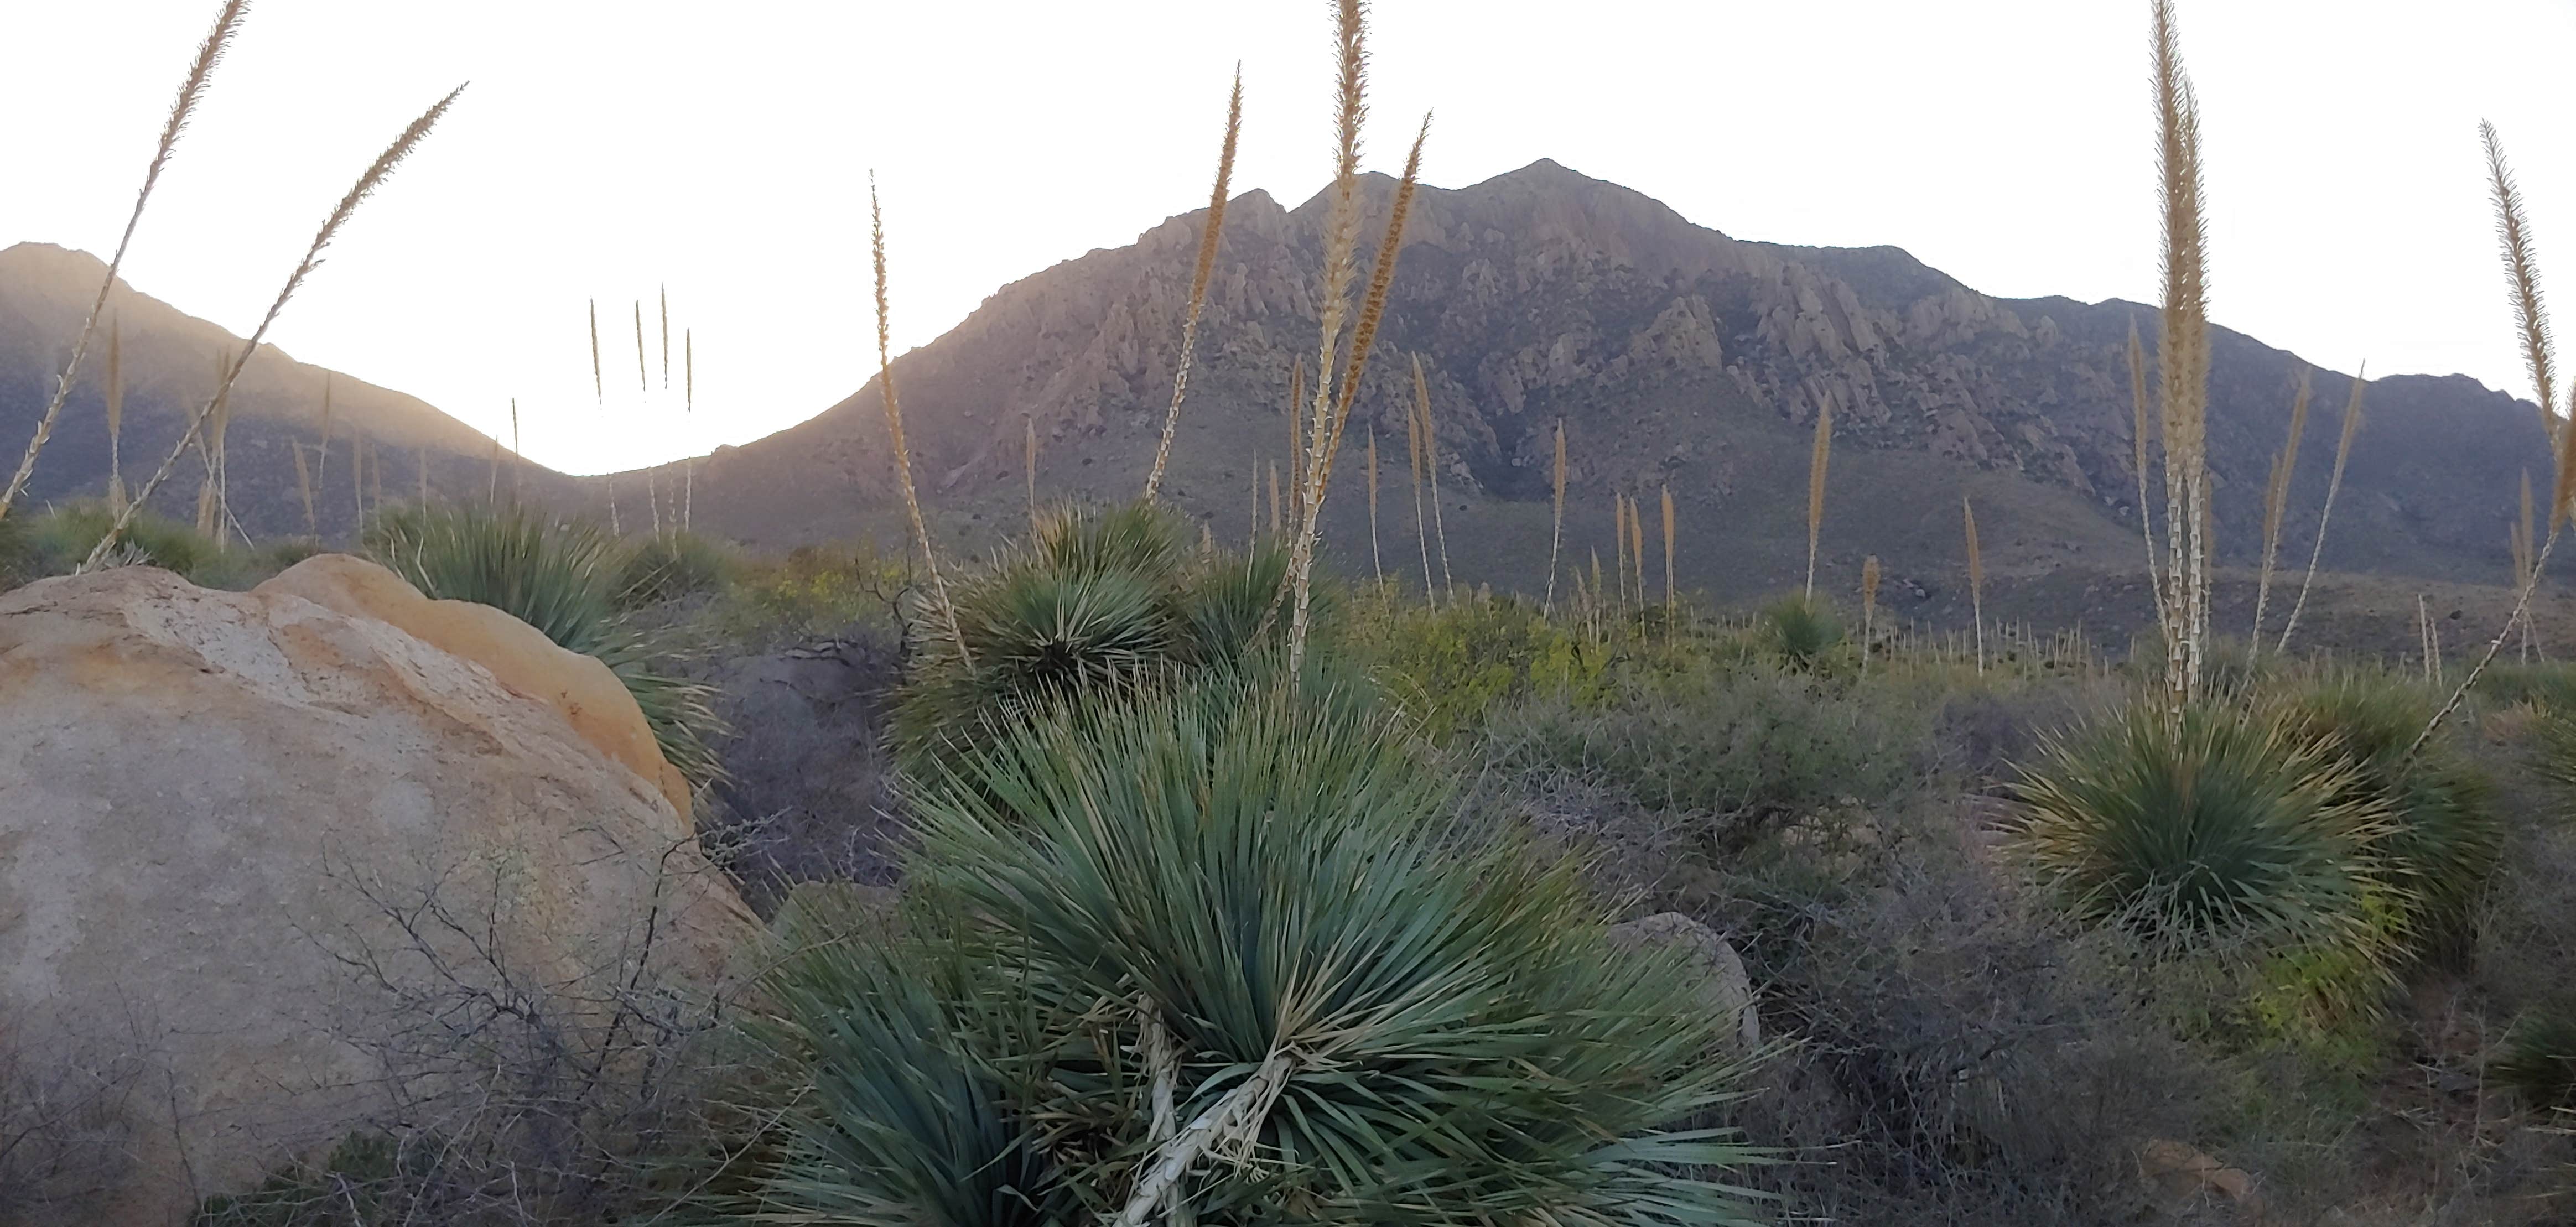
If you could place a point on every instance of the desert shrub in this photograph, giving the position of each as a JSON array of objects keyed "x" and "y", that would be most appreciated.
[
  {"x": 813, "y": 592},
  {"x": 1455, "y": 666},
  {"x": 669, "y": 566},
  {"x": 2221, "y": 826},
  {"x": 2445, "y": 834},
  {"x": 1727, "y": 751},
  {"x": 1093, "y": 602},
  {"x": 2539, "y": 1057},
  {"x": 1239, "y": 898},
  {"x": 1802, "y": 630},
  {"x": 55, "y": 542},
  {"x": 558, "y": 576}
]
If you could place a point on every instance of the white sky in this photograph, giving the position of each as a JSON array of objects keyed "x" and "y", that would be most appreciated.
[{"x": 607, "y": 145}]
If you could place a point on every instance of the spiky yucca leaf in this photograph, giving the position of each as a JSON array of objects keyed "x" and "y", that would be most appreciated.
[{"x": 2220, "y": 826}]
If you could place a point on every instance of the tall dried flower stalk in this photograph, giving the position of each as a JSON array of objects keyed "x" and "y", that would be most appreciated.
[
  {"x": 1556, "y": 526},
  {"x": 2531, "y": 321},
  {"x": 2521, "y": 534},
  {"x": 2138, "y": 438},
  {"x": 1328, "y": 437},
  {"x": 492, "y": 486},
  {"x": 515, "y": 454},
  {"x": 2343, "y": 453},
  {"x": 2276, "y": 503},
  {"x": 598, "y": 383},
  {"x": 665, "y": 288},
  {"x": 1377, "y": 562},
  {"x": 1431, "y": 461},
  {"x": 115, "y": 415},
  {"x": 1619, "y": 541},
  {"x": 1199, "y": 275},
  {"x": 643, "y": 381},
  {"x": 1029, "y": 462},
  {"x": 420, "y": 459},
  {"x": 1637, "y": 549},
  {"x": 1296, "y": 439},
  {"x": 1976, "y": 580},
  {"x": 1421, "y": 521},
  {"x": 1277, "y": 525},
  {"x": 1668, "y": 549},
  {"x": 1818, "y": 455},
  {"x": 1868, "y": 607},
  {"x": 2183, "y": 366},
  {"x": 304, "y": 487},
  {"x": 192, "y": 88},
  {"x": 894, "y": 429}
]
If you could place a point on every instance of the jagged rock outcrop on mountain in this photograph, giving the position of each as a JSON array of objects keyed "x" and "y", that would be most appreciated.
[
  {"x": 274, "y": 869},
  {"x": 1676, "y": 355}
]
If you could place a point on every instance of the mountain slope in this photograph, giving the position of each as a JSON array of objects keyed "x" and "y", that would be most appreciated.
[
  {"x": 168, "y": 365},
  {"x": 1676, "y": 356}
]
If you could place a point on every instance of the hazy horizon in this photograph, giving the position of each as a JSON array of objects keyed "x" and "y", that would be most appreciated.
[{"x": 604, "y": 150}]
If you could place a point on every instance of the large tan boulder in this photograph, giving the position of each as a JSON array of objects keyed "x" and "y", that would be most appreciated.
[
  {"x": 1724, "y": 986},
  {"x": 519, "y": 656},
  {"x": 270, "y": 869}
]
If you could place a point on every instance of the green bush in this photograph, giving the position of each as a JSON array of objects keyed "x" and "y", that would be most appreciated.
[
  {"x": 1737, "y": 748},
  {"x": 811, "y": 593},
  {"x": 1452, "y": 668},
  {"x": 57, "y": 541},
  {"x": 1802, "y": 630},
  {"x": 669, "y": 566},
  {"x": 1412, "y": 1030},
  {"x": 560, "y": 577},
  {"x": 2221, "y": 825},
  {"x": 2446, "y": 837},
  {"x": 2539, "y": 1058},
  {"x": 1094, "y": 602}
]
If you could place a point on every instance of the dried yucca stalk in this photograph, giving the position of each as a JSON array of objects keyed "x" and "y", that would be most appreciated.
[
  {"x": 1199, "y": 275},
  {"x": 1976, "y": 579},
  {"x": 1668, "y": 549},
  {"x": 192, "y": 88},
  {"x": 665, "y": 288},
  {"x": 643, "y": 381},
  {"x": 515, "y": 453},
  {"x": 2138, "y": 437},
  {"x": 1818, "y": 455},
  {"x": 1637, "y": 549},
  {"x": 1377, "y": 562},
  {"x": 1276, "y": 525},
  {"x": 304, "y": 487},
  {"x": 598, "y": 382},
  {"x": 1296, "y": 444},
  {"x": 2183, "y": 365},
  {"x": 2519, "y": 534},
  {"x": 894, "y": 429},
  {"x": 420, "y": 460},
  {"x": 2276, "y": 503},
  {"x": 1556, "y": 526},
  {"x": 1431, "y": 461},
  {"x": 1029, "y": 462},
  {"x": 1868, "y": 606},
  {"x": 1328, "y": 435},
  {"x": 322, "y": 461},
  {"x": 1619, "y": 541},
  {"x": 115, "y": 415},
  {"x": 1421, "y": 521},
  {"x": 2334, "y": 485},
  {"x": 2531, "y": 322}
]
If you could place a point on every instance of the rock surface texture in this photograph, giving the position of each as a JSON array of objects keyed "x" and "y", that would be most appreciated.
[
  {"x": 246, "y": 837},
  {"x": 1727, "y": 989}
]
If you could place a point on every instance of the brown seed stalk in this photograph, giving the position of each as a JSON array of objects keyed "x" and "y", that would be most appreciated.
[
  {"x": 1556, "y": 529},
  {"x": 894, "y": 430},
  {"x": 192, "y": 89},
  {"x": 2276, "y": 504},
  {"x": 1199, "y": 275},
  {"x": 1818, "y": 455}
]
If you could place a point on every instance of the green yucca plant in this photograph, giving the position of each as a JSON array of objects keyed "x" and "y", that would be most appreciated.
[
  {"x": 669, "y": 566},
  {"x": 2445, "y": 836},
  {"x": 1094, "y": 601},
  {"x": 2221, "y": 826},
  {"x": 561, "y": 577},
  {"x": 2539, "y": 1058},
  {"x": 1801, "y": 629},
  {"x": 1217, "y": 954}
]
